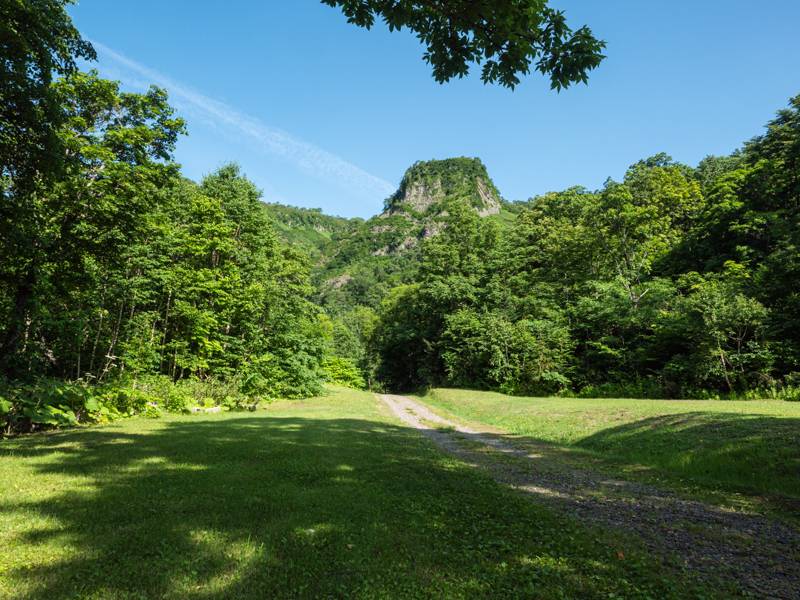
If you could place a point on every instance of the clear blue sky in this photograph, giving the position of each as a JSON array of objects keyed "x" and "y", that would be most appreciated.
[{"x": 323, "y": 114}]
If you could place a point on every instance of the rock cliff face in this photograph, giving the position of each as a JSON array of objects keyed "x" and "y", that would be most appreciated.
[
  {"x": 490, "y": 197},
  {"x": 418, "y": 209},
  {"x": 427, "y": 186},
  {"x": 353, "y": 257}
]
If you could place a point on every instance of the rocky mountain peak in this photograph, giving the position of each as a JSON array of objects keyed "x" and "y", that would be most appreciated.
[{"x": 428, "y": 185}]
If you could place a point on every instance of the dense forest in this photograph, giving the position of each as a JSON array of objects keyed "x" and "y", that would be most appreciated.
[
  {"x": 678, "y": 281},
  {"x": 123, "y": 282}
]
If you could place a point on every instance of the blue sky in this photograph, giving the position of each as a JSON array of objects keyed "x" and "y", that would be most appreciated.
[{"x": 323, "y": 114}]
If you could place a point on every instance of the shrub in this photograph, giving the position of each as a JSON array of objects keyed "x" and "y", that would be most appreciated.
[
  {"x": 52, "y": 403},
  {"x": 285, "y": 376},
  {"x": 343, "y": 371},
  {"x": 177, "y": 400},
  {"x": 151, "y": 411},
  {"x": 48, "y": 403},
  {"x": 180, "y": 396},
  {"x": 128, "y": 401},
  {"x": 529, "y": 357}
]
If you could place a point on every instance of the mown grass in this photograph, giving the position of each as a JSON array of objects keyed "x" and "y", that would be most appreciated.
[
  {"x": 328, "y": 497},
  {"x": 752, "y": 447}
]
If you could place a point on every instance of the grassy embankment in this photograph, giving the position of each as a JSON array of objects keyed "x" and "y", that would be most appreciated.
[
  {"x": 716, "y": 446},
  {"x": 326, "y": 497}
]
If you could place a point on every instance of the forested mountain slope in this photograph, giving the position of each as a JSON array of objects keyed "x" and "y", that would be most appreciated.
[
  {"x": 308, "y": 228},
  {"x": 362, "y": 262},
  {"x": 676, "y": 281}
]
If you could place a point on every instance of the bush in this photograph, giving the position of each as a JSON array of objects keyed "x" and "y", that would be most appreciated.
[
  {"x": 343, "y": 371},
  {"x": 177, "y": 400},
  {"x": 653, "y": 388},
  {"x": 486, "y": 350},
  {"x": 128, "y": 401},
  {"x": 287, "y": 376},
  {"x": 788, "y": 393},
  {"x": 180, "y": 396},
  {"x": 52, "y": 403},
  {"x": 151, "y": 411},
  {"x": 49, "y": 403}
]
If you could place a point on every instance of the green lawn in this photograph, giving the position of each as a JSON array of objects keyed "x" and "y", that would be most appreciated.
[
  {"x": 752, "y": 447},
  {"x": 327, "y": 497}
]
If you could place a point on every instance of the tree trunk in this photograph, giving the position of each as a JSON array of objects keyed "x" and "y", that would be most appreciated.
[{"x": 17, "y": 319}]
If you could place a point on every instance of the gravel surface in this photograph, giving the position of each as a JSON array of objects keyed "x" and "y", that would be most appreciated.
[{"x": 760, "y": 554}]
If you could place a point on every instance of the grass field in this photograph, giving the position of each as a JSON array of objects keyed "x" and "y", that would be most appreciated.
[
  {"x": 327, "y": 497},
  {"x": 752, "y": 447}
]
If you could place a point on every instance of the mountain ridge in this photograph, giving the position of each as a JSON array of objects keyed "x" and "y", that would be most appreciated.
[
  {"x": 356, "y": 261},
  {"x": 415, "y": 211}
]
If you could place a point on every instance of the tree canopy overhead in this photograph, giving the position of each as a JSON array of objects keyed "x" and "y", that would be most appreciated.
[
  {"x": 506, "y": 37},
  {"x": 37, "y": 42}
]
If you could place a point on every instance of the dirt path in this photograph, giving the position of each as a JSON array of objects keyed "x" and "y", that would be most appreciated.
[{"x": 761, "y": 555}]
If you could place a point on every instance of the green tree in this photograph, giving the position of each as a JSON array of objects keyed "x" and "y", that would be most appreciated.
[
  {"x": 37, "y": 43},
  {"x": 727, "y": 330},
  {"x": 483, "y": 349},
  {"x": 506, "y": 37},
  {"x": 64, "y": 234},
  {"x": 640, "y": 220}
]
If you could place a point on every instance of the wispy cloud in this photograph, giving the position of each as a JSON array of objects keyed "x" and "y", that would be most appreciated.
[{"x": 308, "y": 157}]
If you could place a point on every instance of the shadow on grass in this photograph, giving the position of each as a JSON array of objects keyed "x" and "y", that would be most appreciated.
[
  {"x": 287, "y": 507},
  {"x": 746, "y": 453}
]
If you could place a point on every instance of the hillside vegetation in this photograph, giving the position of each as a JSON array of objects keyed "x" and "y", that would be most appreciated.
[
  {"x": 362, "y": 263},
  {"x": 308, "y": 229}
]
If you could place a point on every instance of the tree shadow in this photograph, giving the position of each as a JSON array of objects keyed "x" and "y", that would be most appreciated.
[
  {"x": 264, "y": 507},
  {"x": 748, "y": 552},
  {"x": 747, "y": 453}
]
